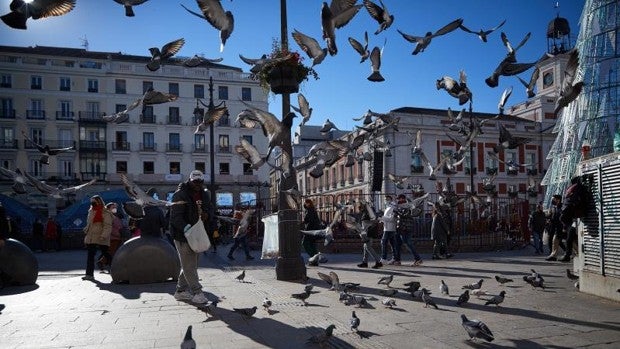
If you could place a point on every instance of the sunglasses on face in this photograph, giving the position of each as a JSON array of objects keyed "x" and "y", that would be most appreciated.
[{"x": 198, "y": 181}]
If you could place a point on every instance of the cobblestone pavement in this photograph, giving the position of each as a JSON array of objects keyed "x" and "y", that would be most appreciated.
[{"x": 62, "y": 311}]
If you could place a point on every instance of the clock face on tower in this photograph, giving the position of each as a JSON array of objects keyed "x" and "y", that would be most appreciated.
[{"x": 547, "y": 79}]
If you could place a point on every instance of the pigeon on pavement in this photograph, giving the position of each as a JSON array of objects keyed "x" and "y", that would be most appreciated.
[
  {"x": 443, "y": 288},
  {"x": 322, "y": 337},
  {"x": 188, "y": 341},
  {"x": 463, "y": 298},
  {"x": 386, "y": 280},
  {"x": 389, "y": 292},
  {"x": 388, "y": 302},
  {"x": 502, "y": 280},
  {"x": 301, "y": 296},
  {"x": 249, "y": 312},
  {"x": 496, "y": 299},
  {"x": 241, "y": 276},
  {"x": 355, "y": 321},
  {"x": 266, "y": 304},
  {"x": 474, "y": 286},
  {"x": 477, "y": 329},
  {"x": 428, "y": 300}
]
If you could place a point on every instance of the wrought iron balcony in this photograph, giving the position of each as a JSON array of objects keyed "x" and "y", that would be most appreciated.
[
  {"x": 173, "y": 120},
  {"x": 148, "y": 146},
  {"x": 174, "y": 147},
  {"x": 223, "y": 148},
  {"x": 121, "y": 146},
  {"x": 91, "y": 116},
  {"x": 148, "y": 119},
  {"x": 35, "y": 114},
  {"x": 7, "y": 113},
  {"x": 92, "y": 145},
  {"x": 65, "y": 115},
  {"x": 57, "y": 143},
  {"x": 200, "y": 148},
  {"x": 8, "y": 144}
]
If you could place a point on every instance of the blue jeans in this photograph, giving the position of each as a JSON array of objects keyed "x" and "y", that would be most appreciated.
[
  {"x": 538, "y": 241},
  {"x": 243, "y": 241},
  {"x": 407, "y": 239},
  {"x": 389, "y": 236}
]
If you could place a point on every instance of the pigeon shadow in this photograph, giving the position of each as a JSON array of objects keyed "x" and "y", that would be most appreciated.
[
  {"x": 518, "y": 343},
  {"x": 366, "y": 334},
  {"x": 397, "y": 309}
]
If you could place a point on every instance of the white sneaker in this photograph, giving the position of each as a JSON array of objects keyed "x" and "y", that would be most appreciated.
[
  {"x": 199, "y": 298},
  {"x": 182, "y": 296}
]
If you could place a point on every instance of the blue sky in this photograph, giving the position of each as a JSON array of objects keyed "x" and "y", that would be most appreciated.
[{"x": 342, "y": 92}]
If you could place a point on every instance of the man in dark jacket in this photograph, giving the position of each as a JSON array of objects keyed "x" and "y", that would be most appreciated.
[
  {"x": 536, "y": 223},
  {"x": 153, "y": 222},
  {"x": 197, "y": 205}
]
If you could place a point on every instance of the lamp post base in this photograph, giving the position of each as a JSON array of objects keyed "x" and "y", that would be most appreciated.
[{"x": 290, "y": 269}]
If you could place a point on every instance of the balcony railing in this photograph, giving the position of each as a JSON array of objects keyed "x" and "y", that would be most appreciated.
[
  {"x": 91, "y": 115},
  {"x": 92, "y": 145},
  {"x": 199, "y": 148},
  {"x": 35, "y": 87},
  {"x": 174, "y": 147},
  {"x": 5, "y": 84},
  {"x": 8, "y": 144},
  {"x": 87, "y": 176},
  {"x": 512, "y": 172},
  {"x": 65, "y": 115},
  {"x": 223, "y": 148},
  {"x": 7, "y": 113},
  {"x": 532, "y": 172},
  {"x": 53, "y": 144},
  {"x": 148, "y": 146},
  {"x": 35, "y": 114},
  {"x": 91, "y": 89},
  {"x": 147, "y": 119},
  {"x": 173, "y": 120},
  {"x": 121, "y": 146}
]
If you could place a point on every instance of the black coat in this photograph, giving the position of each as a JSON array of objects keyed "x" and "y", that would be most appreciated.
[{"x": 187, "y": 213}]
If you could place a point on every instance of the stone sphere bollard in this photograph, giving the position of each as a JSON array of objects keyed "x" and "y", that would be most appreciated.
[
  {"x": 145, "y": 259},
  {"x": 18, "y": 265}
]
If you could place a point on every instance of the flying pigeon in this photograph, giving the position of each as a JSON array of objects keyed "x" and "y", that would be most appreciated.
[
  {"x": 422, "y": 42},
  {"x": 379, "y": 14},
  {"x": 355, "y": 321},
  {"x": 213, "y": 13},
  {"x": 22, "y": 10},
  {"x": 463, "y": 298},
  {"x": 241, "y": 276},
  {"x": 301, "y": 296},
  {"x": 569, "y": 90},
  {"x": 46, "y": 150},
  {"x": 246, "y": 311},
  {"x": 502, "y": 280},
  {"x": 388, "y": 302},
  {"x": 56, "y": 192},
  {"x": 477, "y": 329},
  {"x": 443, "y": 288},
  {"x": 310, "y": 46},
  {"x": 249, "y": 153},
  {"x": 210, "y": 117},
  {"x": 197, "y": 61},
  {"x": 322, "y": 337},
  {"x": 359, "y": 48},
  {"x": 508, "y": 141},
  {"x": 314, "y": 260},
  {"x": 458, "y": 90},
  {"x": 327, "y": 232},
  {"x": 168, "y": 50},
  {"x": 375, "y": 60},
  {"x": 482, "y": 34},
  {"x": 386, "y": 280},
  {"x": 509, "y": 66},
  {"x": 140, "y": 196},
  {"x": 496, "y": 299},
  {"x": 529, "y": 86},
  {"x": 259, "y": 64},
  {"x": 336, "y": 16},
  {"x": 428, "y": 300},
  {"x": 304, "y": 109},
  {"x": 19, "y": 179},
  {"x": 129, "y": 6},
  {"x": 474, "y": 286},
  {"x": 188, "y": 341}
]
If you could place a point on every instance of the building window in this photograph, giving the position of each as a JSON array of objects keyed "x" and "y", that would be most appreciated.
[
  {"x": 175, "y": 167},
  {"x": 120, "y": 141},
  {"x": 199, "y": 91},
  {"x": 246, "y": 94},
  {"x": 65, "y": 137},
  {"x": 148, "y": 141},
  {"x": 248, "y": 138},
  {"x": 6, "y": 81},
  {"x": 147, "y": 85},
  {"x": 173, "y": 88},
  {"x": 121, "y": 167},
  {"x": 491, "y": 165},
  {"x": 148, "y": 167},
  {"x": 64, "y": 110},
  {"x": 416, "y": 163},
  {"x": 36, "y": 82},
  {"x": 200, "y": 166},
  {"x": 66, "y": 169},
  {"x": 93, "y": 165},
  {"x": 36, "y": 168},
  {"x": 120, "y": 86},
  {"x": 223, "y": 143},
  {"x": 199, "y": 142},
  {"x": 7, "y": 138},
  {"x": 93, "y": 85},
  {"x": 120, "y": 107},
  {"x": 222, "y": 92},
  {"x": 65, "y": 84},
  {"x": 224, "y": 168},
  {"x": 173, "y": 116},
  {"x": 174, "y": 142},
  {"x": 247, "y": 169},
  {"x": 7, "y": 108},
  {"x": 36, "y": 109}
]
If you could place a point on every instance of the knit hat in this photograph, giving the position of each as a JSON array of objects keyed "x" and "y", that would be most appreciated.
[{"x": 196, "y": 175}]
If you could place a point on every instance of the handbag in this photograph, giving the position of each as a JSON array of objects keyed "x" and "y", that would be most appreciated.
[{"x": 197, "y": 237}]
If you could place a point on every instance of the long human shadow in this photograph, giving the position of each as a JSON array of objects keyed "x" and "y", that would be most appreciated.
[
  {"x": 133, "y": 291},
  {"x": 269, "y": 332},
  {"x": 11, "y": 290},
  {"x": 518, "y": 343}
]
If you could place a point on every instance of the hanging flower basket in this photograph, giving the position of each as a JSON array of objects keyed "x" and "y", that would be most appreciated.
[{"x": 282, "y": 79}]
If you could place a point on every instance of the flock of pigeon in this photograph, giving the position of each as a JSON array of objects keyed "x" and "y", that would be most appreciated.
[{"x": 475, "y": 329}]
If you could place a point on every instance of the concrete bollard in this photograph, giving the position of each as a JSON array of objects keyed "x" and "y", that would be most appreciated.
[
  {"x": 145, "y": 259},
  {"x": 18, "y": 265}
]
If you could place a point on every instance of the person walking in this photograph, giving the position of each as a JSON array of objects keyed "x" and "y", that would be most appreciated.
[
  {"x": 439, "y": 232},
  {"x": 404, "y": 229},
  {"x": 51, "y": 235},
  {"x": 556, "y": 228},
  {"x": 389, "y": 233},
  {"x": 369, "y": 233},
  {"x": 241, "y": 233},
  {"x": 536, "y": 223},
  {"x": 38, "y": 230},
  {"x": 311, "y": 222},
  {"x": 115, "y": 237},
  {"x": 98, "y": 230},
  {"x": 196, "y": 206}
]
